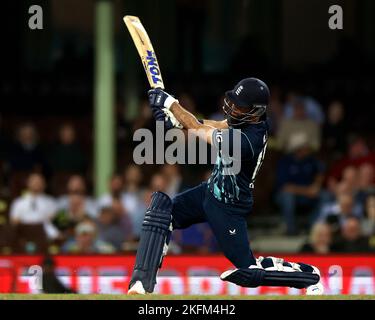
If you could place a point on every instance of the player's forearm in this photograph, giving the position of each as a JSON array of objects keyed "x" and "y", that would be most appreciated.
[
  {"x": 216, "y": 124},
  {"x": 187, "y": 119},
  {"x": 190, "y": 122}
]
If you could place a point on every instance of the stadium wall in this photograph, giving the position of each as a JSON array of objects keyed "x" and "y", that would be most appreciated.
[{"x": 341, "y": 274}]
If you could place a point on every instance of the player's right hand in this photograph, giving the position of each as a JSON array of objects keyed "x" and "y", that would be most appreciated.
[{"x": 158, "y": 101}]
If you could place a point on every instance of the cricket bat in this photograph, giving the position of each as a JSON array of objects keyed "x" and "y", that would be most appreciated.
[{"x": 145, "y": 51}]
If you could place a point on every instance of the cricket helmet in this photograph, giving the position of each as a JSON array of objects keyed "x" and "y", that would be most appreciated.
[{"x": 248, "y": 100}]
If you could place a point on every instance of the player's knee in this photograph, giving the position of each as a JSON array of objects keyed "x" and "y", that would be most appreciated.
[{"x": 239, "y": 259}]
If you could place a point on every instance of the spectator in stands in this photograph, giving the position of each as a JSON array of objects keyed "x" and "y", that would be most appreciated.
[
  {"x": 365, "y": 184},
  {"x": 76, "y": 198},
  {"x": 368, "y": 224},
  {"x": 312, "y": 108},
  {"x": 172, "y": 175},
  {"x": 34, "y": 207},
  {"x": 340, "y": 211},
  {"x": 358, "y": 153},
  {"x": 158, "y": 182},
  {"x": 110, "y": 231},
  {"x": 72, "y": 213},
  {"x": 320, "y": 239},
  {"x": 299, "y": 179},
  {"x": 296, "y": 128},
  {"x": 351, "y": 238},
  {"x": 116, "y": 186},
  {"x": 116, "y": 201},
  {"x": 335, "y": 130},
  {"x": 26, "y": 155},
  {"x": 86, "y": 242},
  {"x": 67, "y": 156},
  {"x": 132, "y": 195},
  {"x": 140, "y": 212},
  {"x": 347, "y": 184}
]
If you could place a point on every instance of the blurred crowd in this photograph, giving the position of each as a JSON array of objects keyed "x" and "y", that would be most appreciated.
[{"x": 322, "y": 185}]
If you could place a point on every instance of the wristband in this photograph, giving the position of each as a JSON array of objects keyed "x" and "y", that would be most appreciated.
[{"x": 169, "y": 101}]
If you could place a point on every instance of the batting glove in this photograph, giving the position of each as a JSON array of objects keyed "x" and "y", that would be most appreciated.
[{"x": 160, "y": 102}]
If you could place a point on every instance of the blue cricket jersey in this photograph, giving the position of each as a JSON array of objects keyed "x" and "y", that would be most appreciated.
[{"x": 225, "y": 184}]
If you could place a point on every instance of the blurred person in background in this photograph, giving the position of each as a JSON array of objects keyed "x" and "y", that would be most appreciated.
[
  {"x": 110, "y": 230},
  {"x": 299, "y": 180},
  {"x": 335, "y": 131},
  {"x": 132, "y": 194},
  {"x": 342, "y": 209},
  {"x": 132, "y": 179},
  {"x": 158, "y": 182},
  {"x": 115, "y": 188},
  {"x": 358, "y": 153},
  {"x": 312, "y": 108},
  {"x": 347, "y": 184},
  {"x": 137, "y": 218},
  {"x": 172, "y": 175},
  {"x": 351, "y": 238},
  {"x": 85, "y": 241},
  {"x": 66, "y": 156},
  {"x": 76, "y": 197},
  {"x": 34, "y": 207},
  {"x": 71, "y": 214},
  {"x": 365, "y": 184},
  {"x": 115, "y": 200},
  {"x": 320, "y": 239},
  {"x": 298, "y": 127},
  {"x": 26, "y": 154},
  {"x": 368, "y": 223}
]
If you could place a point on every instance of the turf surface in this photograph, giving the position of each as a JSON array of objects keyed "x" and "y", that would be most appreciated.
[{"x": 174, "y": 297}]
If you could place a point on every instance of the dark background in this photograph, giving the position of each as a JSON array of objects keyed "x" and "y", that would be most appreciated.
[{"x": 202, "y": 46}]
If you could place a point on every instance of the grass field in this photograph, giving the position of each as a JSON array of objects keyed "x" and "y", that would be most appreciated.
[{"x": 174, "y": 297}]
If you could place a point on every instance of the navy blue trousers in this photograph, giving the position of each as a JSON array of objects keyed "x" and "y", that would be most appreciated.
[{"x": 228, "y": 222}]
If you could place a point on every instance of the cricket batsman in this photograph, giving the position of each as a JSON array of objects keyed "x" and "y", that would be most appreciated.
[{"x": 224, "y": 201}]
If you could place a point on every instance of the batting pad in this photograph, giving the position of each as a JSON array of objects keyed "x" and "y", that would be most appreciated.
[
  {"x": 152, "y": 245},
  {"x": 274, "y": 272}
]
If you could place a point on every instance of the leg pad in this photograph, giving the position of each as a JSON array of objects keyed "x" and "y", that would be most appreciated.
[
  {"x": 156, "y": 230},
  {"x": 274, "y": 272}
]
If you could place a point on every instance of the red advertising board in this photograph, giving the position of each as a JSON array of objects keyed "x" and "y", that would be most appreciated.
[{"x": 352, "y": 274}]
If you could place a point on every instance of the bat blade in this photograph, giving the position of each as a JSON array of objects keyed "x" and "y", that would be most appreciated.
[{"x": 145, "y": 50}]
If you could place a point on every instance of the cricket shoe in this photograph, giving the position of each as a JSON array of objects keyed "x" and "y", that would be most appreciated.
[
  {"x": 137, "y": 288},
  {"x": 315, "y": 289}
]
